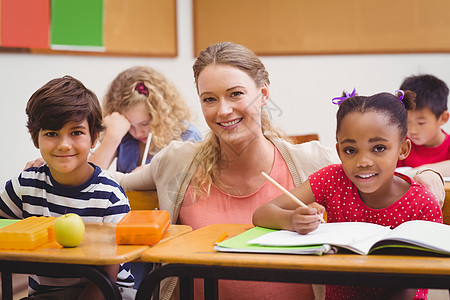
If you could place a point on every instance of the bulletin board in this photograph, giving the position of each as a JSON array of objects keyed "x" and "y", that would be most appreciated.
[
  {"x": 300, "y": 27},
  {"x": 111, "y": 27}
]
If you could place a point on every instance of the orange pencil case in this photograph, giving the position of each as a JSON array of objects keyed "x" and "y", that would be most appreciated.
[
  {"x": 142, "y": 227},
  {"x": 27, "y": 234}
]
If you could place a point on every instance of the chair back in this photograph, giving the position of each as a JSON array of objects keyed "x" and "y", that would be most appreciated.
[
  {"x": 446, "y": 207},
  {"x": 143, "y": 200},
  {"x": 298, "y": 139}
]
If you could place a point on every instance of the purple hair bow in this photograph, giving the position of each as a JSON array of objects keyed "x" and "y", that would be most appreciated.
[
  {"x": 338, "y": 100},
  {"x": 400, "y": 98}
]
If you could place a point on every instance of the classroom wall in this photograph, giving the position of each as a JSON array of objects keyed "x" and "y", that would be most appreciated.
[{"x": 301, "y": 86}]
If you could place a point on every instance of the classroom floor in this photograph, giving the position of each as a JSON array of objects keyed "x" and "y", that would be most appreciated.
[
  {"x": 20, "y": 294},
  {"x": 20, "y": 286},
  {"x": 438, "y": 295}
]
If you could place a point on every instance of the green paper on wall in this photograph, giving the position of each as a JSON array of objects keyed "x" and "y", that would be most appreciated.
[{"x": 77, "y": 25}]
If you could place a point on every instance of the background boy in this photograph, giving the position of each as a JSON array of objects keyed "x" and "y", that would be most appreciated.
[
  {"x": 64, "y": 121},
  {"x": 430, "y": 144}
]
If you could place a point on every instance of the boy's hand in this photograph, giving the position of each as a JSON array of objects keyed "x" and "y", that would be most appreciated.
[{"x": 306, "y": 219}]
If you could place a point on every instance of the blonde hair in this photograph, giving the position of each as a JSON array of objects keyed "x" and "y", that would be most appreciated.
[
  {"x": 209, "y": 157},
  {"x": 170, "y": 115}
]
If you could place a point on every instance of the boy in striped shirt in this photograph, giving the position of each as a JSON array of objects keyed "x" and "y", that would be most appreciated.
[{"x": 64, "y": 121}]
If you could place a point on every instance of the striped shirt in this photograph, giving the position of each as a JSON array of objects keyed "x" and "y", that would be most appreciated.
[{"x": 35, "y": 193}]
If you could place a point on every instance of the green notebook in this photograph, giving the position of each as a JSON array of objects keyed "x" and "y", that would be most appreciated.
[
  {"x": 6, "y": 222},
  {"x": 240, "y": 243}
]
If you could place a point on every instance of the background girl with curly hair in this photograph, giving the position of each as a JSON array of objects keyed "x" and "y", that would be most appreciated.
[{"x": 140, "y": 101}]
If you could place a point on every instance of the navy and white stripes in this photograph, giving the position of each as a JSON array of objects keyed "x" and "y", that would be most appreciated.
[{"x": 35, "y": 193}]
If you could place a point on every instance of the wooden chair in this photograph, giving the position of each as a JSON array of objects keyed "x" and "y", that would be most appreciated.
[
  {"x": 446, "y": 212},
  {"x": 143, "y": 200},
  {"x": 446, "y": 207},
  {"x": 298, "y": 139}
]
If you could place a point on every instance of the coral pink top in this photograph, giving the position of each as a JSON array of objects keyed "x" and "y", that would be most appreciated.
[{"x": 220, "y": 207}]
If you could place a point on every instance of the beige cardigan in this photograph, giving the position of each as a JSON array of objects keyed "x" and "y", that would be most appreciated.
[{"x": 171, "y": 169}]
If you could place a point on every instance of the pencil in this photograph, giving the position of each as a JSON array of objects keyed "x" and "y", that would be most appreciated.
[
  {"x": 287, "y": 193},
  {"x": 221, "y": 238},
  {"x": 147, "y": 146}
]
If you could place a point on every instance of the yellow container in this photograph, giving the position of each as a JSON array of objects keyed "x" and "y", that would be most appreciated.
[
  {"x": 27, "y": 234},
  {"x": 142, "y": 227}
]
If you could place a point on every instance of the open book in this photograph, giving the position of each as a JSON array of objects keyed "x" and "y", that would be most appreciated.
[{"x": 359, "y": 237}]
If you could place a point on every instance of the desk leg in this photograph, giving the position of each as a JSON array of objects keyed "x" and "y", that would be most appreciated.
[
  {"x": 155, "y": 294},
  {"x": 93, "y": 273},
  {"x": 211, "y": 286},
  {"x": 186, "y": 288},
  {"x": 213, "y": 273},
  {"x": 151, "y": 282},
  {"x": 7, "y": 288}
]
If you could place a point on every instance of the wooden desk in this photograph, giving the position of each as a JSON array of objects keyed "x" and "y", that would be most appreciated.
[
  {"x": 192, "y": 256},
  {"x": 97, "y": 248}
]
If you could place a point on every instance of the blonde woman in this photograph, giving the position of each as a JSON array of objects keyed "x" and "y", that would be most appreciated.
[
  {"x": 140, "y": 101},
  {"x": 219, "y": 180}
]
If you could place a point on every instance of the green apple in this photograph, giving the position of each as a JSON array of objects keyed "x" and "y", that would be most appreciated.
[{"x": 69, "y": 230}]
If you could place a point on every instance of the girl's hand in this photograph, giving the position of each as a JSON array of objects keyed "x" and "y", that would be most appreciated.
[
  {"x": 116, "y": 124},
  {"x": 117, "y": 127},
  {"x": 306, "y": 219}
]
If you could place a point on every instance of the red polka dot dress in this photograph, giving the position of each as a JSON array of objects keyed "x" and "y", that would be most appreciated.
[{"x": 334, "y": 190}]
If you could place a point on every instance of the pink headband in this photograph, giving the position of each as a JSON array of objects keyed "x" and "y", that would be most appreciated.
[{"x": 141, "y": 88}]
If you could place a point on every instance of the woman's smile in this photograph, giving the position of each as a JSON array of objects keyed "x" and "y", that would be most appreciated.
[{"x": 230, "y": 124}]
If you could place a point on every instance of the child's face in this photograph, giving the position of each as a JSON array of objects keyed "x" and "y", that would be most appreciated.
[
  {"x": 140, "y": 120},
  {"x": 231, "y": 104},
  {"x": 424, "y": 128},
  {"x": 369, "y": 147},
  {"x": 66, "y": 152}
]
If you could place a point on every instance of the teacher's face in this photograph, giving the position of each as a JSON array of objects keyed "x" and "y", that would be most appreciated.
[{"x": 231, "y": 103}]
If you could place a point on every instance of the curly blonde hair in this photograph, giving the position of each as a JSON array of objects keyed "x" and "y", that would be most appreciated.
[
  {"x": 168, "y": 110},
  {"x": 209, "y": 157}
]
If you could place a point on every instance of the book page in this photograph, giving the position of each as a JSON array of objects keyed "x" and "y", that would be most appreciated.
[
  {"x": 358, "y": 234},
  {"x": 426, "y": 234}
]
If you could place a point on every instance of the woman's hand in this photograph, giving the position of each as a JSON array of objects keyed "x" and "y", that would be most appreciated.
[
  {"x": 35, "y": 163},
  {"x": 138, "y": 168},
  {"x": 433, "y": 182},
  {"x": 307, "y": 219}
]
